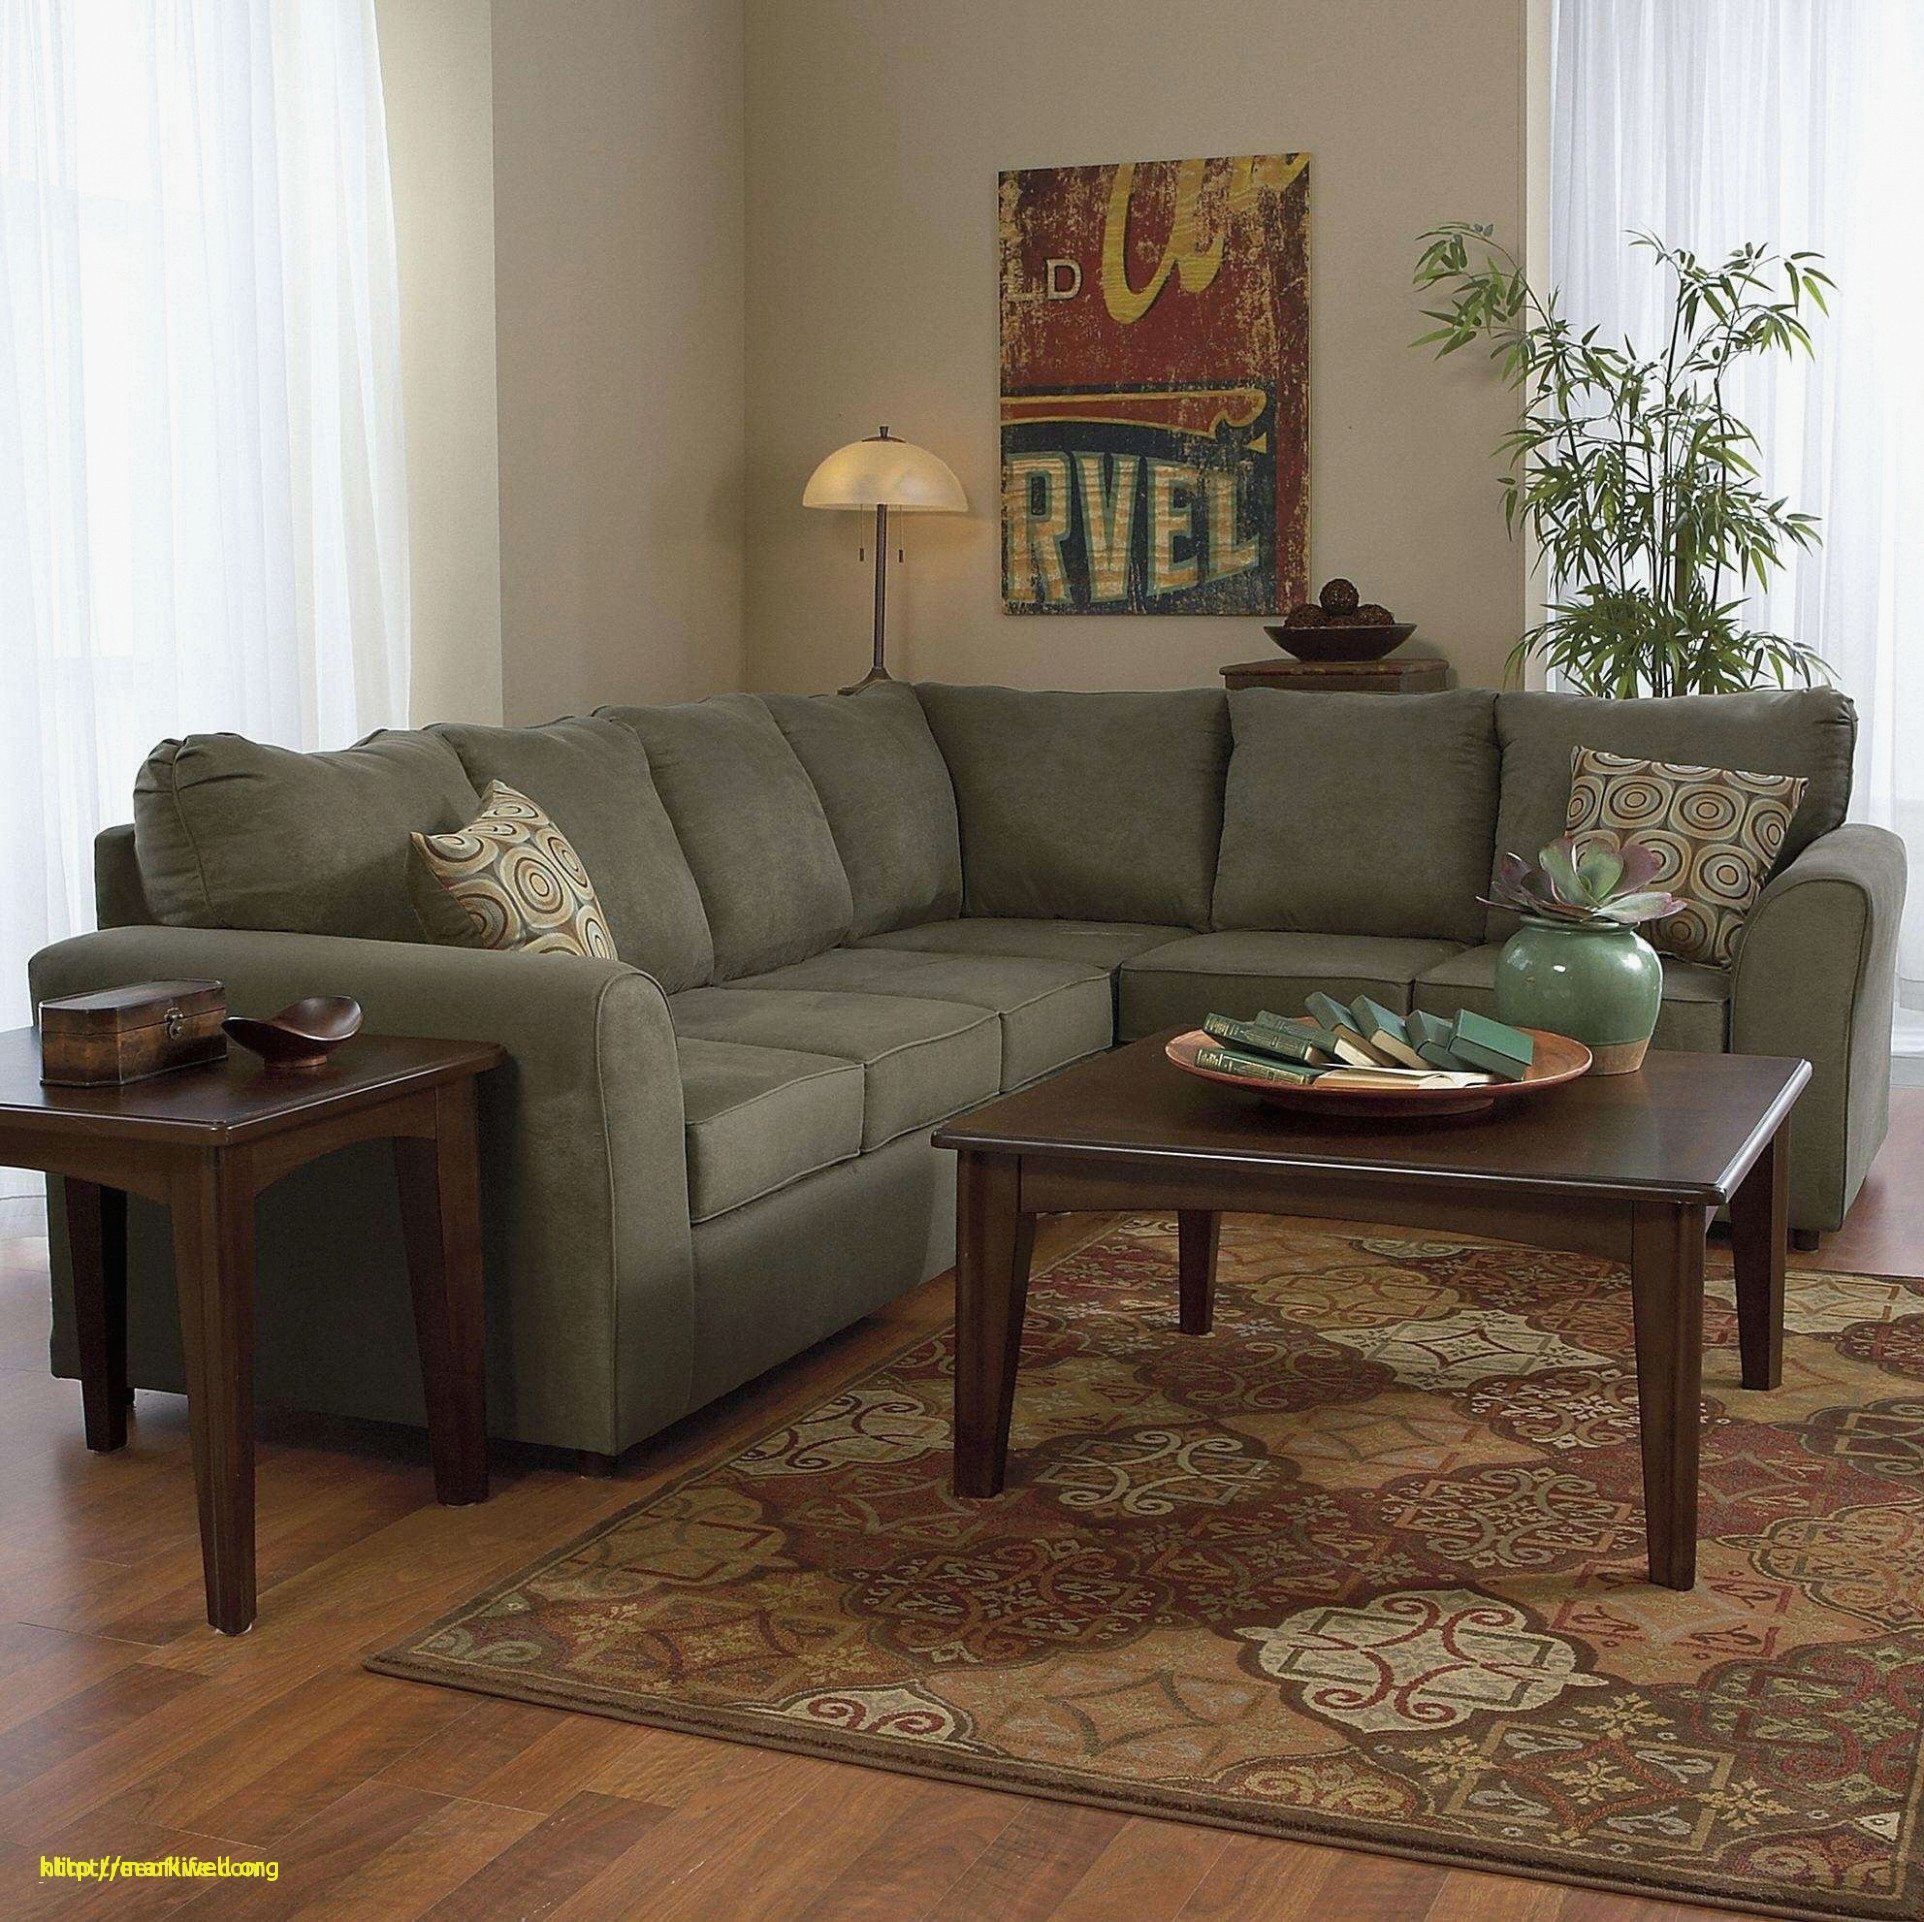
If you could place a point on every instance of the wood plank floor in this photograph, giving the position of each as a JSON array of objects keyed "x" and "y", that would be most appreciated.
[{"x": 127, "y": 1726}]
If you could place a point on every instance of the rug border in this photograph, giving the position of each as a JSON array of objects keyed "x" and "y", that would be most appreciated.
[{"x": 400, "y": 1661}]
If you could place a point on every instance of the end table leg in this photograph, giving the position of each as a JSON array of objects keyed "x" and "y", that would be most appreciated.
[
  {"x": 1758, "y": 1217},
  {"x": 97, "y": 1241},
  {"x": 994, "y": 1240},
  {"x": 440, "y": 1183},
  {"x": 1667, "y": 1299},
  {"x": 1197, "y": 1232},
  {"x": 214, "y": 1273}
]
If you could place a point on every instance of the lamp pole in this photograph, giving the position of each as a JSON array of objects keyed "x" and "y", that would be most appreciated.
[{"x": 879, "y": 672}]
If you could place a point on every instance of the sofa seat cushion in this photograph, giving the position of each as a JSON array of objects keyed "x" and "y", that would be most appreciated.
[
  {"x": 921, "y": 1061},
  {"x": 1351, "y": 814},
  {"x": 1809, "y": 731},
  {"x": 235, "y": 834},
  {"x": 1085, "y": 806},
  {"x": 1098, "y": 944},
  {"x": 1694, "y": 1016},
  {"x": 751, "y": 829},
  {"x": 1240, "y": 973},
  {"x": 886, "y": 791},
  {"x": 759, "y": 1118},
  {"x": 593, "y": 780},
  {"x": 1052, "y": 1012}
]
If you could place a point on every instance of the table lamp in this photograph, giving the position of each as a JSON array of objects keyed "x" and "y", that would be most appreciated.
[{"x": 883, "y": 472}]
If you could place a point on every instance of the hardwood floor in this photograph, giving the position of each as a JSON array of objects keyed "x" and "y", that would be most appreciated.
[{"x": 127, "y": 1727}]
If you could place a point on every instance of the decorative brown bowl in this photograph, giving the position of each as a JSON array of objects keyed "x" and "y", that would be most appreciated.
[
  {"x": 302, "y": 1035},
  {"x": 1347, "y": 642},
  {"x": 1558, "y": 1059}
]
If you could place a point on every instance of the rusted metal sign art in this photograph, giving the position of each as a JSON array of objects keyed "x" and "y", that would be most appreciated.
[{"x": 1155, "y": 387}]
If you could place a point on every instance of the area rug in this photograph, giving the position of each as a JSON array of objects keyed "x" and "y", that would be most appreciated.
[{"x": 1364, "y": 1566}]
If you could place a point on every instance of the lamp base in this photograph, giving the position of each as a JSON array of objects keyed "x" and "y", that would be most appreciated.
[{"x": 868, "y": 680}]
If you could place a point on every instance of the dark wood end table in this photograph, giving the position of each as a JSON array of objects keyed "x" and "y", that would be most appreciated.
[
  {"x": 204, "y": 1142},
  {"x": 1396, "y": 674},
  {"x": 1629, "y": 1167}
]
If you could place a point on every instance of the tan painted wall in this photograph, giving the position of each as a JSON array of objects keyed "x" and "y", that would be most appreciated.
[
  {"x": 436, "y": 79},
  {"x": 875, "y": 132},
  {"x": 619, "y": 276}
]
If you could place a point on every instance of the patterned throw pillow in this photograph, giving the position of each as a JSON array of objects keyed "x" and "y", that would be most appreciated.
[
  {"x": 509, "y": 879},
  {"x": 1718, "y": 830}
]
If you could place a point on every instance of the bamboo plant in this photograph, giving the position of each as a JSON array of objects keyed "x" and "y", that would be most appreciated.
[{"x": 1640, "y": 485}]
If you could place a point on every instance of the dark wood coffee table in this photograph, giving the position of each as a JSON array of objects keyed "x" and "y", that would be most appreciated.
[
  {"x": 1629, "y": 1167},
  {"x": 204, "y": 1142}
]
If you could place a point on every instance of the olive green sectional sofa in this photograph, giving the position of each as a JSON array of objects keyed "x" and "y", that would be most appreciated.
[{"x": 841, "y": 920}]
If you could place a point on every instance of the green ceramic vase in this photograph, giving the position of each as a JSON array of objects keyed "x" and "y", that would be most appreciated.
[{"x": 1594, "y": 981}]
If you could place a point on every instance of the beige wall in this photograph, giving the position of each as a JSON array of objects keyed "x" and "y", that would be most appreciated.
[
  {"x": 875, "y": 132},
  {"x": 435, "y": 75},
  {"x": 619, "y": 277}
]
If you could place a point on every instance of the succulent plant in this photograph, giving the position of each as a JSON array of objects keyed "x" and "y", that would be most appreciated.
[{"x": 1587, "y": 878}]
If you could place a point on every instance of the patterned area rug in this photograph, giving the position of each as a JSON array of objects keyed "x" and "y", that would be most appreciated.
[{"x": 1363, "y": 1566}]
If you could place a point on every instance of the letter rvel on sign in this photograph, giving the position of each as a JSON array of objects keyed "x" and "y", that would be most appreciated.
[{"x": 1155, "y": 387}]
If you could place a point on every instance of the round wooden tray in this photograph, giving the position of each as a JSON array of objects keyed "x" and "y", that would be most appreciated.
[{"x": 1558, "y": 1059}]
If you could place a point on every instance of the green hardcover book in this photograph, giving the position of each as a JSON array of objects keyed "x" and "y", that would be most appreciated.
[
  {"x": 1432, "y": 1034},
  {"x": 1504, "y": 1051},
  {"x": 1260, "y": 1037},
  {"x": 1256, "y": 1067},
  {"x": 1383, "y": 1029},
  {"x": 1302, "y": 1027},
  {"x": 1334, "y": 1019}
]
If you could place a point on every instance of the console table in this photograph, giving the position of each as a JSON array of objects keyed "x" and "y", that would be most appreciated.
[
  {"x": 1399, "y": 674},
  {"x": 204, "y": 1142}
]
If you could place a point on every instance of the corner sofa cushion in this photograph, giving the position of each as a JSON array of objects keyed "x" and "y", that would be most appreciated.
[
  {"x": 1807, "y": 731},
  {"x": 593, "y": 779},
  {"x": 1052, "y": 1012},
  {"x": 1085, "y": 807},
  {"x": 751, "y": 829},
  {"x": 1098, "y": 944},
  {"x": 759, "y": 1118},
  {"x": 886, "y": 791},
  {"x": 1241, "y": 973},
  {"x": 921, "y": 1060},
  {"x": 1694, "y": 1015},
  {"x": 232, "y": 833},
  {"x": 1356, "y": 814}
]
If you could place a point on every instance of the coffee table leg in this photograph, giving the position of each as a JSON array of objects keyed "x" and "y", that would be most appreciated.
[
  {"x": 441, "y": 1220},
  {"x": 1667, "y": 1297},
  {"x": 214, "y": 1273},
  {"x": 994, "y": 1240},
  {"x": 1197, "y": 1232},
  {"x": 97, "y": 1241},
  {"x": 1759, "y": 1216}
]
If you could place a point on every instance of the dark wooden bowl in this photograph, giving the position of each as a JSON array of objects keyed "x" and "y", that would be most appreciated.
[
  {"x": 302, "y": 1035},
  {"x": 1340, "y": 643}
]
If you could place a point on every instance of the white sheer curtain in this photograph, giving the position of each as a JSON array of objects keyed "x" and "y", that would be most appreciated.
[
  {"x": 202, "y": 518},
  {"x": 1801, "y": 123}
]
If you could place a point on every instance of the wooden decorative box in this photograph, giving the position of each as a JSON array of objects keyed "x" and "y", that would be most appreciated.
[{"x": 117, "y": 1035}]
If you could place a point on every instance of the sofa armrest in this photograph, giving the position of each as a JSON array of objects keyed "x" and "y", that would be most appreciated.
[
  {"x": 1815, "y": 975},
  {"x": 584, "y": 1178}
]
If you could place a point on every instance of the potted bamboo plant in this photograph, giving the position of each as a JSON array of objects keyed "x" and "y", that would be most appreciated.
[{"x": 1639, "y": 484}]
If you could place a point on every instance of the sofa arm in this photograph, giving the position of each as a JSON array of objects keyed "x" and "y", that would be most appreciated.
[
  {"x": 1815, "y": 976},
  {"x": 584, "y": 1181}
]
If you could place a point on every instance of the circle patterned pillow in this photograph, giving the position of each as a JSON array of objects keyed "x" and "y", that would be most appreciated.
[
  {"x": 509, "y": 879},
  {"x": 1717, "y": 830}
]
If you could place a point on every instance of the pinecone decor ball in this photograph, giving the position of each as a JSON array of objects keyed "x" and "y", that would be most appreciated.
[
  {"x": 1305, "y": 614},
  {"x": 1339, "y": 596}
]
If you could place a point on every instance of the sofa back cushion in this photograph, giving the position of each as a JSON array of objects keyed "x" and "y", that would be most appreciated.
[
  {"x": 1085, "y": 807},
  {"x": 593, "y": 779},
  {"x": 751, "y": 828},
  {"x": 1807, "y": 731},
  {"x": 233, "y": 834},
  {"x": 1359, "y": 813},
  {"x": 886, "y": 791}
]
